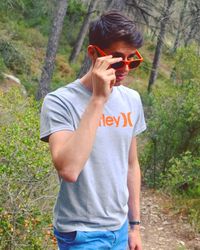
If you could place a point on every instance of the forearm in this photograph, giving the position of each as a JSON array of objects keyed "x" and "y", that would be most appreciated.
[
  {"x": 72, "y": 156},
  {"x": 134, "y": 185}
]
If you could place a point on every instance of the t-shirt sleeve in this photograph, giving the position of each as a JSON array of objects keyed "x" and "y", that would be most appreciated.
[
  {"x": 140, "y": 124},
  {"x": 55, "y": 116}
]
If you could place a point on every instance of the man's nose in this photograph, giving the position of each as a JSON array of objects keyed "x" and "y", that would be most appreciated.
[{"x": 126, "y": 68}]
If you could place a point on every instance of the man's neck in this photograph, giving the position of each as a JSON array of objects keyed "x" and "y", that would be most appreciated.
[{"x": 86, "y": 80}]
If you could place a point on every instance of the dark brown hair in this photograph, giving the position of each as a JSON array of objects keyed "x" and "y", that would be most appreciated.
[{"x": 111, "y": 27}]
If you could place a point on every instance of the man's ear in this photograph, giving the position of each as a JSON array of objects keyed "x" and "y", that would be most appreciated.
[{"x": 92, "y": 52}]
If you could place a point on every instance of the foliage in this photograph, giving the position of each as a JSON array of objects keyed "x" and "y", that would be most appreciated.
[
  {"x": 31, "y": 37},
  {"x": 12, "y": 4},
  {"x": 27, "y": 180},
  {"x": 74, "y": 17},
  {"x": 75, "y": 10},
  {"x": 171, "y": 158},
  {"x": 174, "y": 119},
  {"x": 38, "y": 14},
  {"x": 173, "y": 128},
  {"x": 183, "y": 181},
  {"x": 13, "y": 59},
  {"x": 183, "y": 176},
  {"x": 2, "y": 67},
  {"x": 31, "y": 13},
  {"x": 66, "y": 74},
  {"x": 187, "y": 63}
]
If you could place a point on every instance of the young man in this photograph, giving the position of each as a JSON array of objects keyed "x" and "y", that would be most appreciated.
[{"x": 91, "y": 126}]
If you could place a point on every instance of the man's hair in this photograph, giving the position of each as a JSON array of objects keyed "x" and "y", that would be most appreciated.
[{"x": 112, "y": 27}]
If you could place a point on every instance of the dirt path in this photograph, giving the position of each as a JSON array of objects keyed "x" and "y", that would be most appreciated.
[{"x": 161, "y": 229}]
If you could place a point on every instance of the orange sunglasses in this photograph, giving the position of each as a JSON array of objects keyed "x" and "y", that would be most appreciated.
[{"x": 132, "y": 64}]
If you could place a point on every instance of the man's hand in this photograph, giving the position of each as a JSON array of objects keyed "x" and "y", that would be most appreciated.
[
  {"x": 103, "y": 76},
  {"x": 134, "y": 240}
]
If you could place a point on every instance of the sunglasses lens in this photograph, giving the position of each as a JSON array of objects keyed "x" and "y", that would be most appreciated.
[
  {"x": 134, "y": 64},
  {"x": 117, "y": 65}
]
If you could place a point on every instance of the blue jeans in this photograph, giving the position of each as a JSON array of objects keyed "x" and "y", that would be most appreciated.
[{"x": 97, "y": 240}]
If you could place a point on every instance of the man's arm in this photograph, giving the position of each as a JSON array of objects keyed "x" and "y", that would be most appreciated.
[
  {"x": 134, "y": 184},
  {"x": 71, "y": 150}
]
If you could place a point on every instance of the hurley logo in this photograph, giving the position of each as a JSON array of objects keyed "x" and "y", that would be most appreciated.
[{"x": 122, "y": 120}]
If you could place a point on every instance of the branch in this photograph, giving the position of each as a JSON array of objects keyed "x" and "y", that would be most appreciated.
[{"x": 141, "y": 9}]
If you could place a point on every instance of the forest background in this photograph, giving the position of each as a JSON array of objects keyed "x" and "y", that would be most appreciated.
[{"x": 43, "y": 43}]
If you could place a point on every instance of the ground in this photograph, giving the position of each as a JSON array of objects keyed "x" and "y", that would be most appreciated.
[{"x": 161, "y": 228}]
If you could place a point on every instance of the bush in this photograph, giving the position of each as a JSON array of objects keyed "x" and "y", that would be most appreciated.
[
  {"x": 183, "y": 177},
  {"x": 27, "y": 179},
  {"x": 171, "y": 155},
  {"x": 183, "y": 181},
  {"x": 173, "y": 128},
  {"x": 14, "y": 4},
  {"x": 34, "y": 38},
  {"x": 187, "y": 63},
  {"x": 2, "y": 67},
  {"x": 13, "y": 59},
  {"x": 173, "y": 119}
]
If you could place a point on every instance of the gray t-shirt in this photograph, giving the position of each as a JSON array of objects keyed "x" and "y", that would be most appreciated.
[{"x": 98, "y": 199}]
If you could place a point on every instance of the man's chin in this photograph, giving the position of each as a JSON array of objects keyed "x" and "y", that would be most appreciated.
[{"x": 117, "y": 83}]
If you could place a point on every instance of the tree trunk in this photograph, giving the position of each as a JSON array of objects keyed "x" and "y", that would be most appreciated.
[
  {"x": 85, "y": 66},
  {"x": 180, "y": 25},
  {"x": 47, "y": 72},
  {"x": 83, "y": 31},
  {"x": 194, "y": 27},
  {"x": 157, "y": 55},
  {"x": 190, "y": 35}
]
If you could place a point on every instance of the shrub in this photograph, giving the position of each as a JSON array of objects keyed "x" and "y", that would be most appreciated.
[
  {"x": 183, "y": 177},
  {"x": 183, "y": 181},
  {"x": 187, "y": 63},
  {"x": 26, "y": 176},
  {"x": 173, "y": 128},
  {"x": 34, "y": 38},
  {"x": 13, "y": 59},
  {"x": 173, "y": 118},
  {"x": 2, "y": 67}
]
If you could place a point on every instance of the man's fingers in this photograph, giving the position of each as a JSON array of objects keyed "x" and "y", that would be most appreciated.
[
  {"x": 111, "y": 78},
  {"x": 112, "y": 60},
  {"x": 110, "y": 71},
  {"x": 105, "y": 62}
]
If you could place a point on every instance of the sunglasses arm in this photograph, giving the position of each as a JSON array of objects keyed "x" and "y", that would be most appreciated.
[
  {"x": 101, "y": 52},
  {"x": 139, "y": 56}
]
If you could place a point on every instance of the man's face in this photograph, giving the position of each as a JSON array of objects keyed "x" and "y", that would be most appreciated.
[{"x": 124, "y": 50}]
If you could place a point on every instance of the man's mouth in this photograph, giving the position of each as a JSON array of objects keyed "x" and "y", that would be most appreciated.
[{"x": 120, "y": 77}]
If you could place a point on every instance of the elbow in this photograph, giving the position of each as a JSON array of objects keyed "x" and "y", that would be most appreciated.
[
  {"x": 68, "y": 172},
  {"x": 68, "y": 176}
]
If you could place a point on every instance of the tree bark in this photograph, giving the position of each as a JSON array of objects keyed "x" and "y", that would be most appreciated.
[
  {"x": 180, "y": 26},
  {"x": 83, "y": 31},
  {"x": 194, "y": 26},
  {"x": 190, "y": 35},
  {"x": 47, "y": 72},
  {"x": 85, "y": 66},
  {"x": 157, "y": 55}
]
